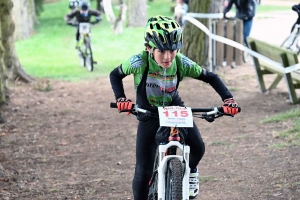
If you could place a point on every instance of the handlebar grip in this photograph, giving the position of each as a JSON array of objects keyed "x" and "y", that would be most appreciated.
[{"x": 113, "y": 105}]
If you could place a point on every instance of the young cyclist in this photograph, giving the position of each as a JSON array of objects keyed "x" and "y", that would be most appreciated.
[
  {"x": 157, "y": 72},
  {"x": 83, "y": 14}
]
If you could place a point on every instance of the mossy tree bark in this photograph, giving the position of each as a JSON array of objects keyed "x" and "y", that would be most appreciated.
[
  {"x": 3, "y": 76},
  {"x": 195, "y": 41},
  {"x": 12, "y": 64}
]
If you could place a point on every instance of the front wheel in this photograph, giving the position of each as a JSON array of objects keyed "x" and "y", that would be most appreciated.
[
  {"x": 174, "y": 176},
  {"x": 89, "y": 62}
]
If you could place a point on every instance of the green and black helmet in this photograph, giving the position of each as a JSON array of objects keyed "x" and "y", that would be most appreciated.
[{"x": 163, "y": 33}]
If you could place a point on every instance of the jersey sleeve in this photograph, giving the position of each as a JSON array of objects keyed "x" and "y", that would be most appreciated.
[
  {"x": 133, "y": 65},
  {"x": 96, "y": 13},
  {"x": 189, "y": 67},
  {"x": 70, "y": 15}
]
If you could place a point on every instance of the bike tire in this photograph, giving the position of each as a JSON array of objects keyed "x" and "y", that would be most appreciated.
[
  {"x": 89, "y": 62},
  {"x": 174, "y": 176}
]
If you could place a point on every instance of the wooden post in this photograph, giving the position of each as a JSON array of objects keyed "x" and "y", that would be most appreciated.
[
  {"x": 220, "y": 45},
  {"x": 239, "y": 39},
  {"x": 229, "y": 49}
]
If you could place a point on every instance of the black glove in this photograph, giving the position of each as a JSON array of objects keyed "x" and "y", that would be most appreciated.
[
  {"x": 96, "y": 21},
  {"x": 72, "y": 23}
]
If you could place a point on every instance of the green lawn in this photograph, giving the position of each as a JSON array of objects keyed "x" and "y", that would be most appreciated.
[{"x": 50, "y": 52}]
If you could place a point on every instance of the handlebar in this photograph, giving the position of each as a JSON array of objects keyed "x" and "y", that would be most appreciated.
[
  {"x": 207, "y": 113},
  {"x": 76, "y": 24}
]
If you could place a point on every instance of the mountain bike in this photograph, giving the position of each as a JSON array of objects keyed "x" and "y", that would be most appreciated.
[
  {"x": 170, "y": 177},
  {"x": 292, "y": 42},
  {"x": 83, "y": 46}
]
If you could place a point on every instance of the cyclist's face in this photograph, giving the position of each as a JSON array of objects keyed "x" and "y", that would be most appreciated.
[
  {"x": 164, "y": 58},
  {"x": 83, "y": 12}
]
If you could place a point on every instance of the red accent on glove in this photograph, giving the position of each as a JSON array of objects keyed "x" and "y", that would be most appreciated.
[
  {"x": 124, "y": 104},
  {"x": 230, "y": 106}
]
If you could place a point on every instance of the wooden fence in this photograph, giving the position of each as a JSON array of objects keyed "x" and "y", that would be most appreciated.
[{"x": 225, "y": 54}]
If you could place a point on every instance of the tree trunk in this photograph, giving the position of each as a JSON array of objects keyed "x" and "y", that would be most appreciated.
[
  {"x": 118, "y": 27},
  {"x": 3, "y": 76},
  {"x": 100, "y": 6},
  {"x": 195, "y": 41},
  {"x": 24, "y": 16},
  {"x": 116, "y": 23},
  {"x": 137, "y": 13},
  {"x": 11, "y": 60}
]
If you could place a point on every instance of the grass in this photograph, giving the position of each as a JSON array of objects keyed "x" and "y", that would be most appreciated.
[
  {"x": 291, "y": 136},
  {"x": 271, "y": 8},
  {"x": 50, "y": 52}
]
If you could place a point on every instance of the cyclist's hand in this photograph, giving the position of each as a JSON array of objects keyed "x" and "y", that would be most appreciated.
[
  {"x": 124, "y": 104},
  {"x": 230, "y": 106}
]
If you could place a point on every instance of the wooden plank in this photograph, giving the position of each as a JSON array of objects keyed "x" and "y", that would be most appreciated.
[
  {"x": 278, "y": 54},
  {"x": 229, "y": 49},
  {"x": 289, "y": 80},
  {"x": 220, "y": 45},
  {"x": 239, "y": 38},
  {"x": 258, "y": 70}
]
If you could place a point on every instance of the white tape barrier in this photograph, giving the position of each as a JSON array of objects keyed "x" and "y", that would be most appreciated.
[
  {"x": 286, "y": 14},
  {"x": 218, "y": 38}
]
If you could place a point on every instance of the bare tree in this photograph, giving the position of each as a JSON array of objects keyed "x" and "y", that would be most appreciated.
[
  {"x": 24, "y": 17},
  {"x": 116, "y": 23},
  {"x": 11, "y": 61},
  {"x": 100, "y": 5},
  {"x": 137, "y": 13},
  {"x": 3, "y": 76},
  {"x": 195, "y": 41}
]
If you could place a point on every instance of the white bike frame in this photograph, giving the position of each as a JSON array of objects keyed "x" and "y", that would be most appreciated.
[{"x": 162, "y": 168}]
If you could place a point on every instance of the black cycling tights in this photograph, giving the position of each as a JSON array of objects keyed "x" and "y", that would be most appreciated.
[{"x": 146, "y": 149}]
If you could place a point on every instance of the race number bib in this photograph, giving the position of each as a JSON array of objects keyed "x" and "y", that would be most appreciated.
[
  {"x": 175, "y": 116},
  {"x": 84, "y": 28}
]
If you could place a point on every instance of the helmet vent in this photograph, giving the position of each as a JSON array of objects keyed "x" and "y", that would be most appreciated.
[
  {"x": 175, "y": 36},
  {"x": 161, "y": 38},
  {"x": 158, "y": 27},
  {"x": 173, "y": 25}
]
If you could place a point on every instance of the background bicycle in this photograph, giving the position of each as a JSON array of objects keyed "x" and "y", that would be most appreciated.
[
  {"x": 292, "y": 42},
  {"x": 84, "y": 46},
  {"x": 171, "y": 173}
]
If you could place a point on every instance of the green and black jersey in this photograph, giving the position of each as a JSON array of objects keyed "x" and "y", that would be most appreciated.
[
  {"x": 80, "y": 18},
  {"x": 160, "y": 85}
]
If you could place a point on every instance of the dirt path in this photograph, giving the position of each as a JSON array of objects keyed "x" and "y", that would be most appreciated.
[{"x": 68, "y": 144}]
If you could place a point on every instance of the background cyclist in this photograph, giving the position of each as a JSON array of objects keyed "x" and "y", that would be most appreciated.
[
  {"x": 83, "y": 14},
  {"x": 157, "y": 72}
]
